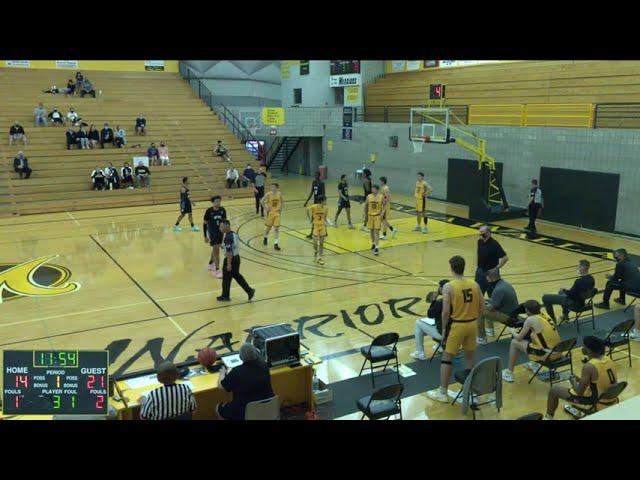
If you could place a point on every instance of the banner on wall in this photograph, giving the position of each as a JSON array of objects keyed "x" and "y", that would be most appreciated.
[
  {"x": 430, "y": 63},
  {"x": 272, "y": 116},
  {"x": 398, "y": 65},
  {"x": 350, "y": 80},
  {"x": 413, "y": 65},
  {"x": 352, "y": 96},
  {"x": 18, "y": 63},
  {"x": 448, "y": 63},
  {"x": 66, "y": 63},
  {"x": 154, "y": 65}
]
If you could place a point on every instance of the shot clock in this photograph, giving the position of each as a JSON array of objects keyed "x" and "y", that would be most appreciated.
[
  {"x": 62, "y": 382},
  {"x": 436, "y": 91}
]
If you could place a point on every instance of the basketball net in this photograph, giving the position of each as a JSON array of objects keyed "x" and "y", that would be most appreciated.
[{"x": 418, "y": 143}]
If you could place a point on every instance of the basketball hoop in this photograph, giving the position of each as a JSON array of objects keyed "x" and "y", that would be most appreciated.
[{"x": 418, "y": 142}]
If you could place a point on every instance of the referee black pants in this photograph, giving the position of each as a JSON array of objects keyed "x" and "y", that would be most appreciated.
[
  {"x": 233, "y": 274},
  {"x": 259, "y": 196},
  {"x": 534, "y": 210}
]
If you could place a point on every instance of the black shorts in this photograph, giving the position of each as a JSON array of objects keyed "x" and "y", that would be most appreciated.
[
  {"x": 315, "y": 199},
  {"x": 580, "y": 400},
  {"x": 535, "y": 351},
  {"x": 215, "y": 238},
  {"x": 344, "y": 204},
  {"x": 185, "y": 207}
]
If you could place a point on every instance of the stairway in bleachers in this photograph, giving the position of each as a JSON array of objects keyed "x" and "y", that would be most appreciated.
[{"x": 61, "y": 178}]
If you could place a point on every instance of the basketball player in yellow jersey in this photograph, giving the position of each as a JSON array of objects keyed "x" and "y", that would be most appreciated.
[
  {"x": 272, "y": 203},
  {"x": 423, "y": 189},
  {"x": 373, "y": 208},
  {"x": 536, "y": 338},
  {"x": 462, "y": 306},
  {"x": 387, "y": 210},
  {"x": 318, "y": 213},
  {"x": 598, "y": 374}
]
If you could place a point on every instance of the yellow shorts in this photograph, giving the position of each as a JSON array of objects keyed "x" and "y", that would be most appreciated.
[
  {"x": 387, "y": 213},
  {"x": 319, "y": 231},
  {"x": 461, "y": 334},
  {"x": 273, "y": 219},
  {"x": 421, "y": 204},
  {"x": 374, "y": 222}
]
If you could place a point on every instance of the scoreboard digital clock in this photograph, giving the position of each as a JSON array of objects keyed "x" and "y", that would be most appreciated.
[
  {"x": 436, "y": 91},
  {"x": 62, "y": 382}
]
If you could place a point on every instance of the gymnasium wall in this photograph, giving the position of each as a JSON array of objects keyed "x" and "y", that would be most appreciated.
[
  {"x": 170, "y": 66},
  {"x": 522, "y": 150}
]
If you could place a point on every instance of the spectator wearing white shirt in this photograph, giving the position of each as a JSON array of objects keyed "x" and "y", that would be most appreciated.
[
  {"x": 126, "y": 175},
  {"x": 56, "y": 117},
  {"x": 163, "y": 154},
  {"x": 121, "y": 137},
  {"x": 16, "y": 132},
  {"x": 98, "y": 177},
  {"x": 233, "y": 178},
  {"x": 73, "y": 117}
]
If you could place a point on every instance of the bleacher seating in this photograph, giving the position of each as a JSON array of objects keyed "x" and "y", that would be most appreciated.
[{"x": 61, "y": 182}]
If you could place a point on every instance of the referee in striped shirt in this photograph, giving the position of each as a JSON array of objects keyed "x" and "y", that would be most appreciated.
[{"x": 172, "y": 401}]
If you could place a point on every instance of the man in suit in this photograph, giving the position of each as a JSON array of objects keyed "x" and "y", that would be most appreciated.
[{"x": 21, "y": 165}]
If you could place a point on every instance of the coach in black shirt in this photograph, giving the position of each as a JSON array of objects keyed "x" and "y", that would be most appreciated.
[
  {"x": 625, "y": 277},
  {"x": 250, "y": 382},
  {"x": 490, "y": 255},
  {"x": 574, "y": 297}
]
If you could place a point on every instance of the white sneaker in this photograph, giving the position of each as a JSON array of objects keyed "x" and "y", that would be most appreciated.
[
  {"x": 573, "y": 411},
  {"x": 489, "y": 332},
  {"x": 438, "y": 396},
  {"x": 425, "y": 230},
  {"x": 634, "y": 335},
  {"x": 481, "y": 341},
  {"x": 364, "y": 229},
  {"x": 415, "y": 229},
  {"x": 330, "y": 222},
  {"x": 507, "y": 375},
  {"x": 417, "y": 355},
  {"x": 394, "y": 232},
  {"x": 383, "y": 237},
  {"x": 533, "y": 366}
]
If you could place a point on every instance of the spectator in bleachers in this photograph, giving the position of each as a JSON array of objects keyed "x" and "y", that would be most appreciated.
[
  {"x": 121, "y": 137},
  {"x": 94, "y": 136},
  {"x": 222, "y": 151},
  {"x": 79, "y": 79},
  {"x": 98, "y": 177},
  {"x": 21, "y": 165},
  {"x": 171, "y": 401},
  {"x": 163, "y": 154},
  {"x": 40, "y": 115},
  {"x": 71, "y": 87},
  {"x": 248, "y": 176},
  {"x": 73, "y": 117},
  {"x": 106, "y": 135},
  {"x": 16, "y": 132},
  {"x": 141, "y": 125},
  {"x": 87, "y": 88},
  {"x": 71, "y": 138},
  {"x": 233, "y": 178},
  {"x": 152, "y": 154},
  {"x": 83, "y": 138},
  {"x": 56, "y": 117},
  {"x": 53, "y": 90},
  {"x": 126, "y": 175},
  {"x": 113, "y": 178},
  {"x": 143, "y": 175}
]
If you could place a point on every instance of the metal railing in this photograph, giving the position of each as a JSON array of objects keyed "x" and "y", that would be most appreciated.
[
  {"x": 273, "y": 150},
  {"x": 400, "y": 114}
]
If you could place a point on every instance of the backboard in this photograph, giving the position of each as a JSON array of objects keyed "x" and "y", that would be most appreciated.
[{"x": 431, "y": 122}]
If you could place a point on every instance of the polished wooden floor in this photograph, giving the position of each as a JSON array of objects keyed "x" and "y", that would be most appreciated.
[{"x": 145, "y": 291}]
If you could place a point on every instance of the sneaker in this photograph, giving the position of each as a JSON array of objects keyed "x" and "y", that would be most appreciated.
[
  {"x": 383, "y": 237},
  {"x": 375, "y": 251},
  {"x": 212, "y": 266},
  {"x": 251, "y": 293},
  {"x": 418, "y": 355},
  {"x": 602, "y": 306},
  {"x": 351, "y": 227},
  {"x": 276, "y": 247},
  {"x": 620, "y": 301},
  {"x": 223, "y": 299},
  {"x": 331, "y": 224},
  {"x": 481, "y": 341},
  {"x": 425, "y": 230},
  {"x": 634, "y": 335},
  {"x": 490, "y": 332},
  {"x": 195, "y": 228},
  {"x": 364, "y": 229},
  {"x": 573, "y": 411},
  {"x": 533, "y": 366},
  {"x": 507, "y": 375},
  {"x": 438, "y": 396},
  {"x": 320, "y": 261},
  {"x": 218, "y": 273},
  {"x": 177, "y": 228},
  {"x": 394, "y": 233},
  {"x": 415, "y": 229},
  {"x": 264, "y": 241}
]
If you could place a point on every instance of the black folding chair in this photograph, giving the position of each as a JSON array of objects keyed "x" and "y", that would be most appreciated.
[
  {"x": 382, "y": 349},
  {"x": 436, "y": 350},
  {"x": 382, "y": 403},
  {"x": 531, "y": 416},
  {"x": 609, "y": 397},
  {"x": 635, "y": 295},
  {"x": 619, "y": 337},
  {"x": 588, "y": 307},
  {"x": 563, "y": 349},
  {"x": 514, "y": 322}
]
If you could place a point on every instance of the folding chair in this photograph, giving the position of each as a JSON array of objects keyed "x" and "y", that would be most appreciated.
[
  {"x": 619, "y": 337},
  {"x": 588, "y": 307},
  {"x": 635, "y": 295},
  {"x": 436, "y": 350},
  {"x": 268, "y": 409},
  {"x": 514, "y": 322},
  {"x": 611, "y": 394},
  {"x": 483, "y": 379},
  {"x": 382, "y": 349},
  {"x": 563, "y": 348},
  {"x": 382, "y": 403}
]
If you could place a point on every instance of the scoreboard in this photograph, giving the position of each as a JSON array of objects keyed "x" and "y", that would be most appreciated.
[
  {"x": 63, "y": 382},
  {"x": 344, "y": 67}
]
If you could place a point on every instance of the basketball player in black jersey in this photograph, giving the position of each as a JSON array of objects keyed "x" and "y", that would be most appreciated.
[
  {"x": 212, "y": 233},
  {"x": 366, "y": 185},
  {"x": 185, "y": 207},
  {"x": 317, "y": 190},
  {"x": 343, "y": 201}
]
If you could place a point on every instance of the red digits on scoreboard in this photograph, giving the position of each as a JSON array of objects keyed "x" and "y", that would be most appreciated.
[
  {"x": 100, "y": 402},
  {"x": 91, "y": 380},
  {"x": 17, "y": 402},
  {"x": 22, "y": 380}
]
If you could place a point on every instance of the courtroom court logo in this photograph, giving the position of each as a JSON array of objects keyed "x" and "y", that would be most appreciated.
[{"x": 35, "y": 278}]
